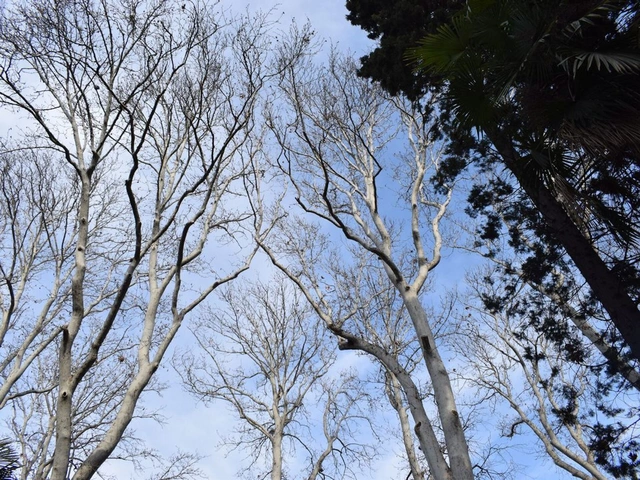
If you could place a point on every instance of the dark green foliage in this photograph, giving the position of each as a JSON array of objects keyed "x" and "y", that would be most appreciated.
[
  {"x": 559, "y": 83},
  {"x": 558, "y": 78},
  {"x": 566, "y": 413},
  {"x": 398, "y": 25},
  {"x": 568, "y": 67},
  {"x": 529, "y": 255},
  {"x": 618, "y": 456},
  {"x": 9, "y": 460},
  {"x": 610, "y": 428}
]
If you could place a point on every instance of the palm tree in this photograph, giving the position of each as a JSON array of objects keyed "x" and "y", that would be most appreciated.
[
  {"x": 9, "y": 460},
  {"x": 572, "y": 67},
  {"x": 553, "y": 86}
]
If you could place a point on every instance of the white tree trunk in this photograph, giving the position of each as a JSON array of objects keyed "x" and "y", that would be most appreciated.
[
  {"x": 395, "y": 391},
  {"x": 66, "y": 377},
  {"x": 276, "y": 454},
  {"x": 457, "y": 448}
]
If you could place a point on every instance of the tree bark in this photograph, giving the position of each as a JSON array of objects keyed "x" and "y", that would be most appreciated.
[
  {"x": 395, "y": 392},
  {"x": 110, "y": 441},
  {"x": 457, "y": 448},
  {"x": 276, "y": 461},
  {"x": 67, "y": 379},
  {"x": 423, "y": 427},
  {"x": 606, "y": 285}
]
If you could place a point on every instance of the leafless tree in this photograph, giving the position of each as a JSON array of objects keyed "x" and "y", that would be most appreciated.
[
  {"x": 179, "y": 466},
  {"x": 97, "y": 398},
  {"x": 562, "y": 286},
  {"x": 32, "y": 419},
  {"x": 37, "y": 243},
  {"x": 382, "y": 320},
  {"x": 398, "y": 403},
  {"x": 334, "y": 135},
  {"x": 265, "y": 356},
  {"x": 513, "y": 364},
  {"x": 143, "y": 117}
]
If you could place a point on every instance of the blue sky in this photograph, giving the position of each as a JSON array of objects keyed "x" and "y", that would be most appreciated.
[{"x": 190, "y": 426}]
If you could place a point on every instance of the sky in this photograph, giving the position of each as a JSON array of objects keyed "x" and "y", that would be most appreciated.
[
  {"x": 192, "y": 426},
  {"x": 328, "y": 19}
]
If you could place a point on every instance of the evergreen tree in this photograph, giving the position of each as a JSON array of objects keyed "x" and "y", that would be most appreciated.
[{"x": 551, "y": 87}]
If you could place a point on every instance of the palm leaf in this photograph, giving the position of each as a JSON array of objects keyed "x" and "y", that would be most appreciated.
[
  {"x": 603, "y": 10},
  {"x": 9, "y": 460},
  {"x": 472, "y": 107},
  {"x": 618, "y": 62},
  {"x": 441, "y": 50},
  {"x": 624, "y": 232}
]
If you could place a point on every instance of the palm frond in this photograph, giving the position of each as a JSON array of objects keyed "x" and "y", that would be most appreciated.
[
  {"x": 604, "y": 10},
  {"x": 479, "y": 6},
  {"x": 624, "y": 232},
  {"x": 442, "y": 49},
  {"x": 471, "y": 105},
  {"x": 9, "y": 460},
  {"x": 618, "y": 62}
]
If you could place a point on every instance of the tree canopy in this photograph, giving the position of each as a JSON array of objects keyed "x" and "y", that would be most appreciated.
[
  {"x": 398, "y": 25},
  {"x": 159, "y": 151},
  {"x": 550, "y": 86}
]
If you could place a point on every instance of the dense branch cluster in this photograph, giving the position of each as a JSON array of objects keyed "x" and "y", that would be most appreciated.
[{"x": 172, "y": 165}]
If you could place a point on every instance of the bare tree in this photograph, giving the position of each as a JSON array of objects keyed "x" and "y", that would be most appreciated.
[
  {"x": 540, "y": 270},
  {"x": 265, "y": 356},
  {"x": 333, "y": 138},
  {"x": 145, "y": 114},
  {"x": 179, "y": 466},
  {"x": 37, "y": 243},
  {"x": 554, "y": 399},
  {"x": 96, "y": 403},
  {"x": 398, "y": 403},
  {"x": 382, "y": 320}
]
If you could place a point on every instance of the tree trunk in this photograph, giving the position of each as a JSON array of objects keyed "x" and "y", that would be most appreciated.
[
  {"x": 276, "y": 461},
  {"x": 614, "y": 359},
  {"x": 110, "y": 441},
  {"x": 439, "y": 469},
  {"x": 67, "y": 380},
  {"x": 606, "y": 285},
  {"x": 457, "y": 448},
  {"x": 407, "y": 437}
]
